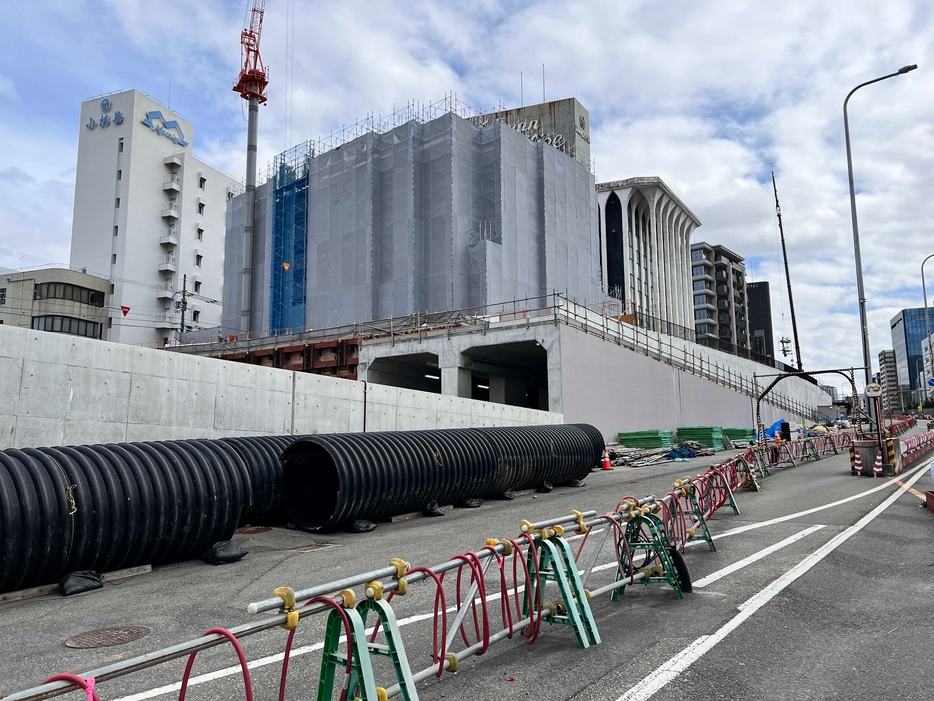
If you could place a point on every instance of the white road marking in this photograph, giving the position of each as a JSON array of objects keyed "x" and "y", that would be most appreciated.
[
  {"x": 664, "y": 674},
  {"x": 755, "y": 557}
]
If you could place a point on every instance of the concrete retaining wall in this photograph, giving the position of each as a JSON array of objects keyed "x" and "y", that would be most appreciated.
[
  {"x": 617, "y": 389},
  {"x": 61, "y": 390}
]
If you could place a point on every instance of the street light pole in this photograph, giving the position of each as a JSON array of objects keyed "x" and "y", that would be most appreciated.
[
  {"x": 867, "y": 360},
  {"x": 927, "y": 320}
]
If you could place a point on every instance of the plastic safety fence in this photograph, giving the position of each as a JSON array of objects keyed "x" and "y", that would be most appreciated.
[
  {"x": 916, "y": 447},
  {"x": 108, "y": 507},
  {"x": 711, "y": 436},
  {"x": 899, "y": 427},
  {"x": 646, "y": 439},
  {"x": 330, "y": 480},
  {"x": 558, "y": 577}
]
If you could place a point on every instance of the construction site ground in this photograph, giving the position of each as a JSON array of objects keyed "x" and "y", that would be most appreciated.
[{"x": 840, "y": 610}]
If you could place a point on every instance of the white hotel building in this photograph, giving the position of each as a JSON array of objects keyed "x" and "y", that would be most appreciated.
[{"x": 148, "y": 213}]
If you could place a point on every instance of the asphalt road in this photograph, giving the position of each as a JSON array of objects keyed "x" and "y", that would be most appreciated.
[{"x": 840, "y": 608}]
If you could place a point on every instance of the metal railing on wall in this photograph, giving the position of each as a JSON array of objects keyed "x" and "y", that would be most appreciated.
[{"x": 655, "y": 338}]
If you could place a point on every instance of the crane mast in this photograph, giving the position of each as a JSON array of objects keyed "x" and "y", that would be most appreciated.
[{"x": 251, "y": 84}]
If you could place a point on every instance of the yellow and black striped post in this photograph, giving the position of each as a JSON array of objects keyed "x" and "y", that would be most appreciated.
[
  {"x": 852, "y": 460},
  {"x": 891, "y": 466}
]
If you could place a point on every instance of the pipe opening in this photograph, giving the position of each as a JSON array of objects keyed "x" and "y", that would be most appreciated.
[{"x": 311, "y": 490}]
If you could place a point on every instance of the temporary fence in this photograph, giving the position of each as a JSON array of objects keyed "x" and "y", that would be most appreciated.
[
  {"x": 537, "y": 578},
  {"x": 758, "y": 460},
  {"x": 916, "y": 447},
  {"x": 899, "y": 427}
]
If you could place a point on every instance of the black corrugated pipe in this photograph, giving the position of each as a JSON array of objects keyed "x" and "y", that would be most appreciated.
[
  {"x": 330, "y": 480},
  {"x": 107, "y": 507}
]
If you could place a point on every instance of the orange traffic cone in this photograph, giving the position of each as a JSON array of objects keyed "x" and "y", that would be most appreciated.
[
  {"x": 858, "y": 466},
  {"x": 606, "y": 460},
  {"x": 877, "y": 468}
]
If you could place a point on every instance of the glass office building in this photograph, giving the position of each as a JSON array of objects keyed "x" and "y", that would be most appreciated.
[{"x": 908, "y": 333}]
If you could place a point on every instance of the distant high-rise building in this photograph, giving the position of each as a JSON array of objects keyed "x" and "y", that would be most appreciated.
[
  {"x": 760, "y": 318},
  {"x": 888, "y": 377},
  {"x": 908, "y": 333},
  {"x": 719, "y": 281}
]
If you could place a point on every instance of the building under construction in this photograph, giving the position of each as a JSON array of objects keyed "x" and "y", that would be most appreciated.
[{"x": 431, "y": 209}]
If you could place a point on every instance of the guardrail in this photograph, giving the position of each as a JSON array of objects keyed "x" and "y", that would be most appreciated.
[{"x": 644, "y": 538}]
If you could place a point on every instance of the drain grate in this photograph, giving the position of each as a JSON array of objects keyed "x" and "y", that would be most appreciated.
[
  {"x": 105, "y": 637},
  {"x": 252, "y": 530}
]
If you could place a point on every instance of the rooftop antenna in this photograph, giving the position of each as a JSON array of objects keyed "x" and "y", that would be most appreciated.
[
  {"x": 791, "y": 300},
  {"x": 521, "y": 97},
  {"x": 543, "y": 82}
]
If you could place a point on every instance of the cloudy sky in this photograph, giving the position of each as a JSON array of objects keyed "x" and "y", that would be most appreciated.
[{"x": 709, "y": 95}]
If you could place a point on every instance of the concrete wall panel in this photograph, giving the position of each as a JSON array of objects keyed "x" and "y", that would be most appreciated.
[{"x": 59, "y": 390}]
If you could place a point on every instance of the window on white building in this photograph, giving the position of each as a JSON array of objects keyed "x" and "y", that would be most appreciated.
[
  {"x": 198, "y": 259},
  {"x": 202, "y": 182},
  {"x": 201, "y": 208},
  {"x": 200, "y": 234},
  {"x": 197, "y": 287}
]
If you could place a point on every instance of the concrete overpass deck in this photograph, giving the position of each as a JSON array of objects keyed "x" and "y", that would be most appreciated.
[{"x": 839, "y": 608}]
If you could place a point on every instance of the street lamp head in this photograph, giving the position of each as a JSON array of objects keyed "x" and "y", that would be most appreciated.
[{"x": 905, "y": 69}]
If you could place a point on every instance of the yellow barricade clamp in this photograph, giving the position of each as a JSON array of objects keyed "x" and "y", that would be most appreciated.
[
  {"x": 374, "y": 590},
  {"x": 581, "y": 528},
  {"x": 526, "y": 527},
  {"x": 402, "y": 587},
  {"x": 381, "y": 694},
  {"x": 349, "y": 598},
  {"x": 507, "y": 546},
  {"x": 452, "y": 662},
  {"x": 402, "y": 567},
  {"x": 288, "y": 607},
  {"x": 691, "y": 532},
  {"x": 587, "y": 594},
  {"x": 551, "y": 608}
]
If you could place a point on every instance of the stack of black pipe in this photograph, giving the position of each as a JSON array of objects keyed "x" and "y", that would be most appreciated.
[
  {"x": 108, "y": 507},
  {"x": 331, "y": 480}
]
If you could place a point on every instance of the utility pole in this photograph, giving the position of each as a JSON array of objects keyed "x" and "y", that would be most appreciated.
[
  {"x": 181, "y": 329},
  {"x": 791, "y": 300}
]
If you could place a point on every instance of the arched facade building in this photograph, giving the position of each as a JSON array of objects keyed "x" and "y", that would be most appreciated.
[{"x": 645, "y": 242}]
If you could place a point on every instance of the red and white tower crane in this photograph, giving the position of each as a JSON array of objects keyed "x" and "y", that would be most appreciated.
[{"x": 251, "y": 84}]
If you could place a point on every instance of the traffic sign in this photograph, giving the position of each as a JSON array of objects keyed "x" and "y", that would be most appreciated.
[
  {"x": 125, "y": 309},
  {"x": 931, "y": 382},
  {"x": 873, "y": 390}
]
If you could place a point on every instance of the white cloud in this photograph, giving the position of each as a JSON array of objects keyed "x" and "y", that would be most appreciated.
[
  {"x": 711, "y": 96},
  {"x": 7, "y": 89}
]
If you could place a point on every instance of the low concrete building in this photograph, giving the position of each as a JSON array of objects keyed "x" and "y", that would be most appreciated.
[{"x": 55, "y": 299}]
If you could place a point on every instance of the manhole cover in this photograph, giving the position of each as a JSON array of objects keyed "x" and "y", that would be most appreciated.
[
  {"x": 252, "y": 530},
  {"x": 105, "y": 637}
]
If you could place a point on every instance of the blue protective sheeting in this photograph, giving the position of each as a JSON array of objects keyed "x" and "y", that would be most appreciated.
[{"x": 775, "y": 428}]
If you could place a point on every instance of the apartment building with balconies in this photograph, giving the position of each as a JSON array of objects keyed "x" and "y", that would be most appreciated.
[
  {"x": 149, "y": 216},
  {"x": 718, "y": 279}
]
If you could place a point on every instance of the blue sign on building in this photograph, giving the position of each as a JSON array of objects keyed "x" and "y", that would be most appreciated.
[{"x": 158, "y": 123}]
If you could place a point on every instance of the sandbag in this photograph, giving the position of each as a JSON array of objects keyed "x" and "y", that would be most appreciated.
[
  {"x": 80, "y": 582},
  {"x": 223, "y": 553}
]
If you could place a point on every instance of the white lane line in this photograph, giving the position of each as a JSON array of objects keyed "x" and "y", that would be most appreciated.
[
  {"x": 658, "y": 679},
  {"x": 806, "y": 512},
  {"x": 755, "y": 557}
]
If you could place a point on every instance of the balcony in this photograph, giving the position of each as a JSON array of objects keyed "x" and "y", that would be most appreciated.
[
  {"x": 168, "y": 236},
  {"x": 174, "y": 160},
  {"x": 166, "y": 290},
  {"x": 167, "y": 264},
  {"x": 172, "y": 182},
  {"x": 725, "y": 332},
  {"x": 721, "y": 275},
  {"x": 167, "y": 321},
  {"x": 723, "y": 304},
  {"x": 724, "y": 318},
  {"x": 170, "y": 209},
  {"x": 738, "y": 308},
  {"x": 722, "y": 289}
]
